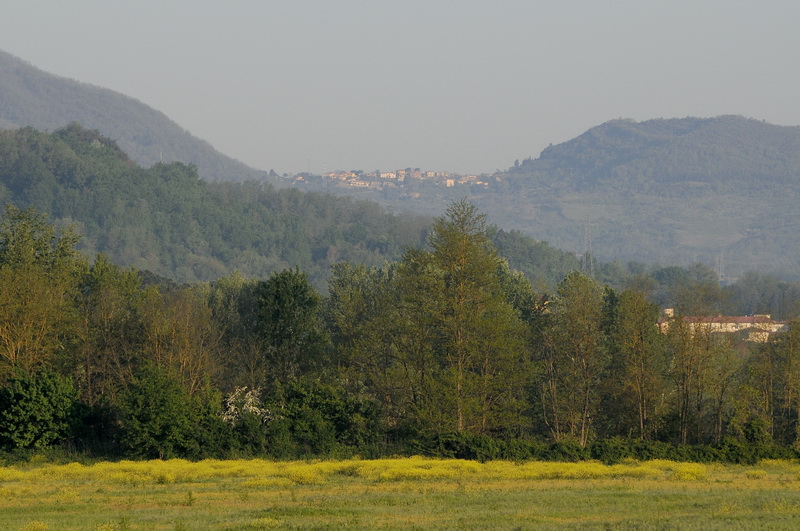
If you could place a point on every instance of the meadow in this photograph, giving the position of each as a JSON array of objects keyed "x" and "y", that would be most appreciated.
[{"x": 398, "y": 493}]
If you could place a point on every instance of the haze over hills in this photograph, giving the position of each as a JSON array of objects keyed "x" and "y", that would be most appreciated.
[
  {"x": 32, "y": 97},
  {"x": 166, "y": 220},
  {"x": 725, "y": 149},
  {"x": 719, "y": 190}
]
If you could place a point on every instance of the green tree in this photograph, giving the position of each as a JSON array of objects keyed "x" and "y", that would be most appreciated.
[
  {"x": 35, "y": 409},
  {"x": 108, "y": 330},
  {"x": 641, "y": 360},
  {"x": 157, "y": 416},
  {"x": 576, "y": 357},
  {"x": 480, "y": 335},
  {"x": 787, "y": 353},
  {"x": 39, "y": 275},
  {"x": 179, "y": 334},
  {"x": 290, "y": 325},
  {"x": 692, "y": 349},
  {"x": 364, "y": 316},
  {"x": 234, "y": 307},
  {"x": 701, "y": 294}
]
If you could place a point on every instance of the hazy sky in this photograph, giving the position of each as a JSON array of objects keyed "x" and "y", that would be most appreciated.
[{"x": 460, "y": 86}]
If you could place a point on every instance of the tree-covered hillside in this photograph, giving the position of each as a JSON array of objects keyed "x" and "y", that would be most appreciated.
[
  {"x": 167, "y": 220},
  {"x": 722, "y": 191},
  {"x": 31, "y": 97},
  {"x": 673, "y": 191},
  {"x": 649, "y": 155}
]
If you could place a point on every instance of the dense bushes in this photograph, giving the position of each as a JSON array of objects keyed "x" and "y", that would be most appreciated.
[
  {"x": 610, "y": 451},
  {"x": 157, "y": 419},
  {"x": 35, "y": 410}
]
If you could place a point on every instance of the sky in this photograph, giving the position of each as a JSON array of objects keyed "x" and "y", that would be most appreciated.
[{"x": 449, "y": 85}]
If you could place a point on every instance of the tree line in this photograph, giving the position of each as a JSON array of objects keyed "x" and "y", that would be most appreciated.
[{"x": 447, "y": 351}]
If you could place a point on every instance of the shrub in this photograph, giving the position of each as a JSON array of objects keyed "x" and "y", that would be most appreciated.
[
  {"x": 314, "y": 418},
  {"x": 157, "y": 418},
  {"x": 569, "y": 451},
  {"x": 35, "y": 410},
  {"x": 612, "y": 450}
]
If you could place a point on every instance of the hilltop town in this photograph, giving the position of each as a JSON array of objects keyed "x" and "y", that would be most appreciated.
[{"x": 405, "y": 178}]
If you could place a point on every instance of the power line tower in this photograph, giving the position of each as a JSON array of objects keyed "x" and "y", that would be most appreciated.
[
  {"x": 587, "y": 260},
  {"x": 721, "y": 269}
]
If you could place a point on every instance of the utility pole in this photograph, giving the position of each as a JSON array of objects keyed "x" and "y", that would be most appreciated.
[{"x": 587, "y": 261}]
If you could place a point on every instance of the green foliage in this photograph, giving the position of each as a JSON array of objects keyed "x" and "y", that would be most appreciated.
[
  {"x": 545, "y": 265},
  {"x": 574, "y": 357},
  {"x": 448, "y": 352},
  {"x": 107, "y": 331},
  {"x": 166, "y": 220},
  {"x": 39, "y": 275},
  {"x": 638, "y": 369},
  {"x": 314, "y": 418},
  {"x": 157, "y": 417},
  {"x": 234, "y": 304},
  {"x": 290, "y": 326},
  {"x": 35, "y": 410},
  {"x": 477, "y": 332}
]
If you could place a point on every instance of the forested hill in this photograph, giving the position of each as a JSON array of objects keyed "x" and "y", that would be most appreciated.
[
  {"x": 31, "y": 97},
  {"x": 725, "y": 150},
  {"x": 166, "y": 220},
  {"x": 722, "y": 190}
]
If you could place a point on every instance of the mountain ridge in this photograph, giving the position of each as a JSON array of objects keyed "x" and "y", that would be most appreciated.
[
  {"x": 720, "y": 190},
  {"x": 35, "y": 98},
  {"x": 670, "y": 191},
  {"x": 701, "y": 149}
]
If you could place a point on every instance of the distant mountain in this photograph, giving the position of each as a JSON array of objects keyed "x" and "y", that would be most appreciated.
[
  {"x": 718, "y": 150},
  {"x": 164, "y": 219},
  {"x": 723, "y": 191},
  {"x": 31, "y": 97},
  {"x": 720, "y": 190}
]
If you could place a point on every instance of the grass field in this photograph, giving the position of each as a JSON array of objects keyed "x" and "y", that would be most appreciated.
[{"x": 398, "y": 493}]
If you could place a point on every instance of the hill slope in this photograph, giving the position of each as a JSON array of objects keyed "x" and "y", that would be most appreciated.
[
  {"x": 724, "y": 150},
  {"x": 722, "y": 190},
  {"x": 166, "y": 220},
  {"x": 31, "y": 97}
]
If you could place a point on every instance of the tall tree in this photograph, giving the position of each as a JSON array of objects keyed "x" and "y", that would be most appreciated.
[
  {"x": 691, "y": 350},
  {"x": 364, "y": 317},
  {"x": 234, "y": 306},
  {"x": 787, "y": 348},
  {"x": 39, "y": 275},
  {"x": 179, "y": 335},
  {"x": 108, "y": 330},
  {"x": 290, "y": 325},
  {"x": 578, "y": 355},
  {"x": 641, "y": 359},
  {"x": 480, "y": 334}
]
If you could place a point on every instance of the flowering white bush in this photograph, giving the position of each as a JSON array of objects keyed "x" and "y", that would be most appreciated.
[{"x": 242, "y": 401}]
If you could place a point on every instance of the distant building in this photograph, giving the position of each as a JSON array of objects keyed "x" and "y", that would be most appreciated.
[{"x": 756, "y": 328}]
